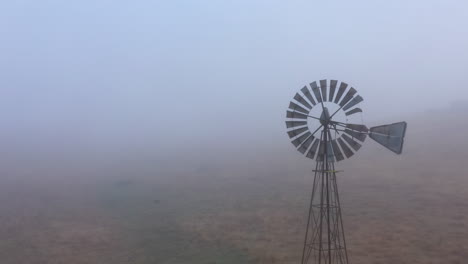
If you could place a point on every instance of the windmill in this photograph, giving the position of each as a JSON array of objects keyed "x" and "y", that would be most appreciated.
[{"x": 324, "y": 123}]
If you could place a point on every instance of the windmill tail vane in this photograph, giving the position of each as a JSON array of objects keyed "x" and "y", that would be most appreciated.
[{"x": 322, "y": 123}]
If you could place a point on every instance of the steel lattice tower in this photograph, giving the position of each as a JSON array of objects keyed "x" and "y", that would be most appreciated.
[{"x": 324, "y": 238}]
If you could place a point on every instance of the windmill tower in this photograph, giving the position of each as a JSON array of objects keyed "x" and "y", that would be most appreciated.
[{"x": 325, "y": 124}]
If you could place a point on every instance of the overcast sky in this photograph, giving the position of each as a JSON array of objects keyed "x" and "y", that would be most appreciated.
[{"x": 179, "y": 72}]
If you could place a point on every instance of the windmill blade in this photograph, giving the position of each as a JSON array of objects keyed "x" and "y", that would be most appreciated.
[
  {"x": 307, "y": 93},
  {"x": 296, "y": 132},
  {"x": 301, "y": 100},
  {"x": 323, "y": 87},
  {"x": 333, "y": 84},
  {"x": 348, "y": 96},
  {"x": 299, "y": 140},
  {"x": 290, "y": 124},
  {"x": 357, "y": 127},
  {"x": 390, "y": 136},
  {"x": 353, "y": 143},
  {"x": 313, "y": 149},
  {"x": 356, "y": 100},
  {"x": 295, "y": 107},
  {"x": 360, "y": 136},
  {"x": 297, "y": 115},
  {"x": 341, "y": 90},
  {"x": 347, "y": 151},
  {"x": 355, "y": 110},
  {"x": 316, "y": 91},
  {"x": 337, "y": 151},
  {"x": 304, "y": 146}
]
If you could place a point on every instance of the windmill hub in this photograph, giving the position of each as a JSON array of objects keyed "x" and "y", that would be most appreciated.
[
  {"x": 327, "y": 138},
  {"x": 325, "y": 117}
]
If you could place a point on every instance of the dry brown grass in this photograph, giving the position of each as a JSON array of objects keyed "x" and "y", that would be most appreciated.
[{"x": 397, "y": 209}]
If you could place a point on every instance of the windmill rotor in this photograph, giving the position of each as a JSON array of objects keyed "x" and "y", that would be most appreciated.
[
  {"x": 324, "y": 96},
  {"x": 324, "y": 123}
]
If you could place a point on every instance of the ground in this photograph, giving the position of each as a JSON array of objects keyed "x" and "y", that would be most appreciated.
[{"x": 250, "y": 208}]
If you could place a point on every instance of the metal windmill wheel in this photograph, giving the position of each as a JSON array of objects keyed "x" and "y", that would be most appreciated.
[{"x": 323, "y": 122}]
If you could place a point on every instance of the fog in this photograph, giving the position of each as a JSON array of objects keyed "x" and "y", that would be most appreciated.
[
  {"x": 181, "y": 72},
  {"x": 174, "y": 96}
]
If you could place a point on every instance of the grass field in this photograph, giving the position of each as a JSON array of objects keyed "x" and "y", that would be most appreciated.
[{"x": 248, "y": 209}]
